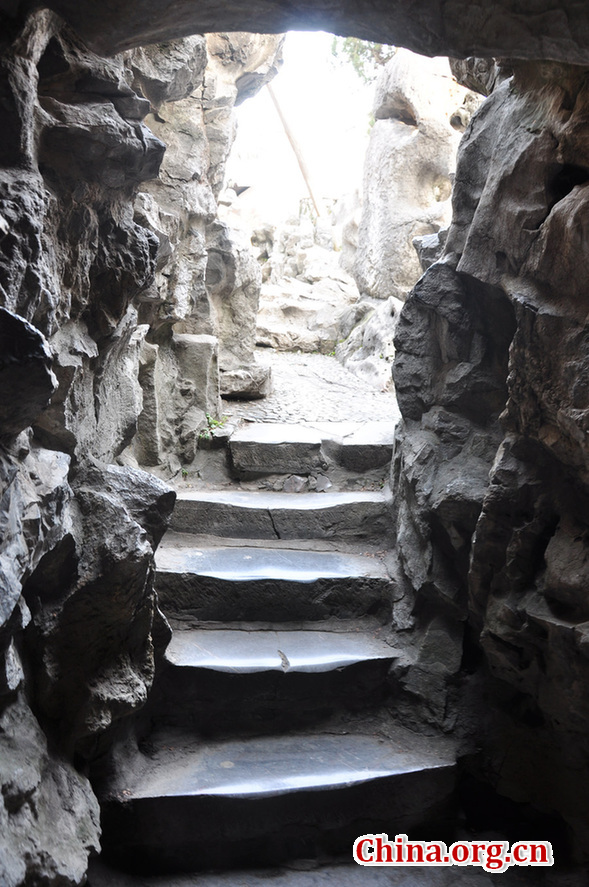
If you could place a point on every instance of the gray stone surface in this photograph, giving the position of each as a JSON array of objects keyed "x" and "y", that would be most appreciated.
[
  {"x": 314, "y": 388},
  {"x": 283, "y": 515},
  {"x": 281, "y": 765},
  {"x": 246, "y": 650},
  {"x": 36, "y": 789},
  {"x": 246, "y": 383},
  {"x": 485, "y": 527},
  {"x": 235, "y": 564},
  {"x": 275, "y": 449},
  {"x": 305, "y": 290},
  {"x": 304, "y": 874},
  {"x": 265, "y": 584},
  {"x": 26, "y": 379},
  {"x": 500, "y": 30},
  {"x": 408, "y": 171},
  {"x": 285, "y": 783},
  {"x": 367, "y": 350},
  {"x": 206, "y": 282}
]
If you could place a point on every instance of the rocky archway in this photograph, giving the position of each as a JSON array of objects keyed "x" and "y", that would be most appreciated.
[{"x": 505, "y": 551}]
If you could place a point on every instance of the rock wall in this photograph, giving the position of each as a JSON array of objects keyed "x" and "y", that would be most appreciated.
[
  {"x": 93, "y": 275},
  {"x": 305, "y": 291},
  {"x": 491, "y": 463},
  {"x": 201, "y": 307},
  {"x": 419, "y": 114}
]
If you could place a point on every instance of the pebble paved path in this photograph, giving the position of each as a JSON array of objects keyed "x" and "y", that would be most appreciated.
[{"x": 313, "y": 388}]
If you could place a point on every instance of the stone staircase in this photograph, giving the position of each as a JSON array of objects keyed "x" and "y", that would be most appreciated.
[{"x": 269, "y": 737}]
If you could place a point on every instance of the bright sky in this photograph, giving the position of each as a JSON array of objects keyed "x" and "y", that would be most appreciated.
[{"x": 328, "y": 108}]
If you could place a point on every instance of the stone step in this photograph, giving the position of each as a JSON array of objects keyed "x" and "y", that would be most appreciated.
[
  {"x": 358, "y": 446},
  {"x": 283, "y": 515},
  {"x": 243, "y": 678},
  {"x": 193, "y": 806},
  {"x": 248, "y": 649},
  {"x": 268, "y": 584},
  {"x": 266, "y": 448},
  {"x": 275, "y": 449}
]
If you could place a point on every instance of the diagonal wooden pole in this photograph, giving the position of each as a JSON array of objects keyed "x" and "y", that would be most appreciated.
[{"x": 295, "y": 147}]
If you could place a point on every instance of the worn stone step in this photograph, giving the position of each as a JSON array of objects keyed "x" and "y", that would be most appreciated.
[
  {"x": 249, "y": 649},
  {"x": 357, "y": 446},
  {"x": 267, "y": 448},
  {"x": 283, "y": 515},
  {"x": 268, "y": 584},
  {"x": 187, "y": 807},
  {"x": 266, "y": 680}
]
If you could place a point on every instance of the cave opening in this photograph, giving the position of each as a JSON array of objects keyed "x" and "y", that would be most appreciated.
[{"x": 369, "y": 631}]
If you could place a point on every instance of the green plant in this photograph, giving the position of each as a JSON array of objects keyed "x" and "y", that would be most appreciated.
[
  {"x": 212, "y": 424},
  {"x": 365, "y": 57},
  {"x": 215, "y": 423},
  {"x": 184, "y": 473}
]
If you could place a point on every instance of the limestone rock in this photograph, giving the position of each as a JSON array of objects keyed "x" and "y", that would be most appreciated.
[
  {"x": 480, "y": 75},
  {"x": 170, "y": 72},
  {"x": 92, "y": 601},
  {"x": 206, "y": 283},
  {"x": 368, "y": 349},
  {"x": 477, "y": 328},
  {"x": 148, "y": 500},
  {"x": 430, "y": 247},
  {"x": 35, "y": 495},
  {"x": 26, "y": 379},
  {"x": 49, "y": 818},
  {"x": 248, "y": 383},
  {"x": 94, "y": 415},
  {"x": 180, "y": 381},
  {"x": 504, "y": 307},
  {"x": 305, "y": 292},
  {"x": 233, "y": 281},
  {"x": 501, "y": 30},
  {"x": 408, "y": 171},
  {"x": 240, "y": 63}
]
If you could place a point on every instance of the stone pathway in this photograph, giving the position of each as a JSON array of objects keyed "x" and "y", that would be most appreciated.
[
  {"x": 350, "y": 875},
  {"x": 313, "y": 388}
]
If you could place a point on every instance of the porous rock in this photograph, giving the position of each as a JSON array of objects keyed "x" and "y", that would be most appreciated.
[
  {"x": 26, "y": 379},
  {"x": 491, "y": 517},
  {"x": 49, "y": 818},
  {"x": 408, "y": 171}
]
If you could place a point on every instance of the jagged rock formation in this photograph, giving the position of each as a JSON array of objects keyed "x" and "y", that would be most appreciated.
[
  {"x": 305, "y": 292},
  {"x": 431, "y": 28},
  {"x": 408, "y": 171},
  {"x": 419, "y": 112},
  {"x": 79, "y": 624},
  {"x": 207, "y": 283},
  {"x": 490, "y": 476},
  {"x": 490, "y": 372}
]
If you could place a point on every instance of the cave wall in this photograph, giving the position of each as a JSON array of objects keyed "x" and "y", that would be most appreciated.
[
  {"x": 91, "y": 246},
  {"x": 201, "y": 306},
  {"x": 490, "y": 468},
  {"x": 490, "y": 463}
]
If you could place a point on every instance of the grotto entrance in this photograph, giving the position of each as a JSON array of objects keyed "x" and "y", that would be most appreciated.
[
  {"x": 334, "y": 272},
  {"x": 75, "y": 259}
]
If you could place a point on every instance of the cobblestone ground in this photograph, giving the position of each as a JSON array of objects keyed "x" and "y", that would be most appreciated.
[{"x": 313, "y": 388}]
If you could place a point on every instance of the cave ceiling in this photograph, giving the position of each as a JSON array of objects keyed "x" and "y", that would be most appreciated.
[{"x": 460, "y": 28}]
